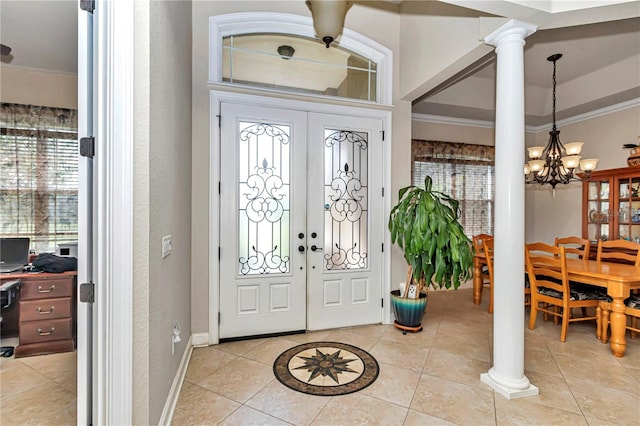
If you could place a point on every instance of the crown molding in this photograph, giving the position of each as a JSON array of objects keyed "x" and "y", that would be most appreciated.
[
  {"x": 438, "y": 119},
  {"x": 441, "y": 119}
]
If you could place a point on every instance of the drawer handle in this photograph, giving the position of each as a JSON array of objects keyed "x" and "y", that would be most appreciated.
[
  {"x": 46, "y": 333},
  {"x": 49, "y": 290},
  {"x": 41, "y": 312}
]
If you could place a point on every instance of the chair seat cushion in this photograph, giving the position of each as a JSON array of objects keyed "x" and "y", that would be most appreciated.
[
  {"x": 593, "y": 292},
  {"x": 574, "y": 295},
  {"x": 633, "y": 301}
]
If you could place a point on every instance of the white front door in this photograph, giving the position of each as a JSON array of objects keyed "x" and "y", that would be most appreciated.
[
  {"x": 300, "y": 221},
  {"x": 345, "y": 212}
]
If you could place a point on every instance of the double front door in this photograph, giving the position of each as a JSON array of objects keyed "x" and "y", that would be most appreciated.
[{"x": 301, "y": 220}]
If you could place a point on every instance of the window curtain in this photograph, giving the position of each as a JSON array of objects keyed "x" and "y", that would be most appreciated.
[
  {"x": 463, "y": 171},
  {"x": 39, "y": 175}
]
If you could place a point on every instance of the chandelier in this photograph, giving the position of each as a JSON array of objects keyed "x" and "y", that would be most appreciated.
[
  {"x": 556, "y": 163},
  {"x": 328, "y": 18}
]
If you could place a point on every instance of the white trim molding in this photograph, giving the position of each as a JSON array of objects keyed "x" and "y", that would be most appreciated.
[
  {"x": 455, "y": 121},
  {"x": 176, "y": 386},
  {"x": 200, "y": 340},
  {"x": 113, "y": 209},
  {"x": 284, "y": 23}
]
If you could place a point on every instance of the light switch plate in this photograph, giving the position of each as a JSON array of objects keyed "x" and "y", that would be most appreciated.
[{"x": 166, "y": 246}]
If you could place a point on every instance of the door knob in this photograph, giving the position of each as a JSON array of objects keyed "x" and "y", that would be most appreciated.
[
  {"x": 301, "y": 249},
  {"x": 314, "y": 248}
]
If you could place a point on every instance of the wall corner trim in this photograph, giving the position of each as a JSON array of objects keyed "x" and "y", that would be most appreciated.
[{"x": 176, "y": 386}]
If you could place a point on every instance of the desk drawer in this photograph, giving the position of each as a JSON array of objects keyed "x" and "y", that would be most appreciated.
[
  {"x": 45, "y": 331},
  {"x": 46, "y": 289},
  {"x": 45, "y": 309}
]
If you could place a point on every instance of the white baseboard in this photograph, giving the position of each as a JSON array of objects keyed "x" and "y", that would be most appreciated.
[
  {"x": 176, "y": 386},
  {"x": 200, "y": 339}
]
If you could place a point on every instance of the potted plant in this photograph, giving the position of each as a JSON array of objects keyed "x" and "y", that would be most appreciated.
[{"x": 424, "y": 223}]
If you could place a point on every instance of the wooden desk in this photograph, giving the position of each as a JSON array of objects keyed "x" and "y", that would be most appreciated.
[
  {"x": 619, "y": 279},
  {"x": 44, "y": 314}
]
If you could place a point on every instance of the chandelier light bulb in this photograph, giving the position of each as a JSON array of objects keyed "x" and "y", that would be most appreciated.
[
  {"x": 535, "y": 152},
  {"x": 589, "y": 164},
  {"x": 536, "y": 165},
  {"x": 527, "y": 169},
  {"x": 571, "y": 161},
  {"x": 573, "y": 148}
]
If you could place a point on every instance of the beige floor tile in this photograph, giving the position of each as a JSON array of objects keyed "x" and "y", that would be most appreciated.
[
  {"x": 400, "y": 354},
  {"x": 416, "y": 418},
  {"x": 475, "y": 347},
  {"x": 240, "y": 347},
  {"x": 199, "y": 406},
  {"x": 294, "y": 407},
  {"x": 454, "y": 402},
  {"x": 525, "y": 412},
  {"x": 451, "y": 366},
  {"x": 423, "y": 339},
  {"x": 38, "y": 405},
  {"x": 61, "y": 368},
  {"x": 359, "y": 409},
  {"x": 394, "y": 384},
  {"x": 204, "y": 361},
  {"x": 246, "y": 416},
  {"x": 239, "y": 380},
  {"x": 590, "y": 372},
  {"x": 608, "y": 404},
  {"x": 353, "y": 337},
  {"x": 553, "y": 392},
  {"x": 267, "y": 352},
  {"x": 541, "y": 361},
  {"x": 16, "y": 377}
]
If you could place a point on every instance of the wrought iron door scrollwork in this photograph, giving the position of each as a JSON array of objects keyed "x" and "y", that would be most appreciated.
[
  {"x": 346, "y": 259},
  {"x": 264, "y": 263}
]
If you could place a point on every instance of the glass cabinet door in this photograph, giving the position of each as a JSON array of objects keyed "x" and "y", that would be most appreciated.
[
  {"x": 598, "y": 213},
  {"x": 628, "y": 214}
]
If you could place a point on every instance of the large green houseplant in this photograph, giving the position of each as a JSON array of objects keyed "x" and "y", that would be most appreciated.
[{"x": 424, "y": 223}]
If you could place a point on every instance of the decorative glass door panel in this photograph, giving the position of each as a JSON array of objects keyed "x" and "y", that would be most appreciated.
[
  {"x": 629, "y": 209},
  {"x": 345, "y": 199},
  {"x": 345, "y": 214},
  {"x": 262, "y": 212},
  {"x": 264, "y": 198}
]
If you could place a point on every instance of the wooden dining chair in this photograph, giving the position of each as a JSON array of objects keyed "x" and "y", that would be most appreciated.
[
  {"x": 487, "y": 246},
  {"x": 574, "y": 246},
  {"x": 621, "y": 251},
  {"x": 579, "y": 248},
  {"x": 631, "y": 310},
  {"x": 487, "y": 281},
  {"x": 550, "y": 291}
]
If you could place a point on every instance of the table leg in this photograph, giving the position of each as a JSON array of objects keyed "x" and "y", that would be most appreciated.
[
  {"x": 477, "y": 281},
  {"x": 618, "y": 327}
]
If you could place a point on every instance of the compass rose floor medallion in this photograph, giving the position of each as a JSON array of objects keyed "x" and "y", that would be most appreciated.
[{"x": 326, "y": 368}]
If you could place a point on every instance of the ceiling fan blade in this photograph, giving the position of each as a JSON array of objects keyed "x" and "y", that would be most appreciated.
[{"x": 4, "y": 49}]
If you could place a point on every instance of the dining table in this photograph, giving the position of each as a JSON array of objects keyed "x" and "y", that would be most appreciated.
[{"x": 617, "y": 278}]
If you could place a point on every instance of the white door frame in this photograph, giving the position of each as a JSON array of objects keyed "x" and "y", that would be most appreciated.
[
  {"x": 215, "y": 98},
  {"x": 113, "y": 212}
]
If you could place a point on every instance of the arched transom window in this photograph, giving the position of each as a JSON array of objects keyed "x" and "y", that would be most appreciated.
[{"x": 279, "y": 52}]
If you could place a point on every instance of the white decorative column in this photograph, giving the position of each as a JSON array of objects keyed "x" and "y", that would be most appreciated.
[{"x": 506, "y": 376}]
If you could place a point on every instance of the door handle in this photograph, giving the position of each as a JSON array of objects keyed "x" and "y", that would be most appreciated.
[
  {"x": 315, "y": 247},
  {"x": 301, "y": 249}
]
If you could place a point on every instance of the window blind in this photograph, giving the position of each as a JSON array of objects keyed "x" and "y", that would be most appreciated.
[
  {"x": 39, "y": 175},
  {"x": 463, "y": 171}
]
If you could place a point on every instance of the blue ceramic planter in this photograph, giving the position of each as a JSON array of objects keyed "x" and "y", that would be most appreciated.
[{"x": 408, "y": 312}]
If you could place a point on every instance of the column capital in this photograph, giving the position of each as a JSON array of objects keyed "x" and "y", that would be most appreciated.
[{"x": 512, "y": 29}]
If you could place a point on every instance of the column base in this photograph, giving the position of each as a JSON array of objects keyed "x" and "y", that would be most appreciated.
[{"x": 508, "y": 392}]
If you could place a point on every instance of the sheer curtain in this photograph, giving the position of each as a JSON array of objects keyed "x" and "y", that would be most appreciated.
[
  {"x": 463, "y": 171},
  {"x": 39, "y": 174}
]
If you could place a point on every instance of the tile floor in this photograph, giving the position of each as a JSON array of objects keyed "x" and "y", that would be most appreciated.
[{"x": 427, "y": 378}]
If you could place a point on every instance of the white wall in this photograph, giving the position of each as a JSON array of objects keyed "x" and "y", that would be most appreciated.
[
  {"x": 162, "y": 287},
  {"x": 35, "y": 87}
]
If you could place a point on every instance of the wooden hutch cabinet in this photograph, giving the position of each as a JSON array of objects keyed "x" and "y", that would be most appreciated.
[{"x": 611, "y": 205}]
